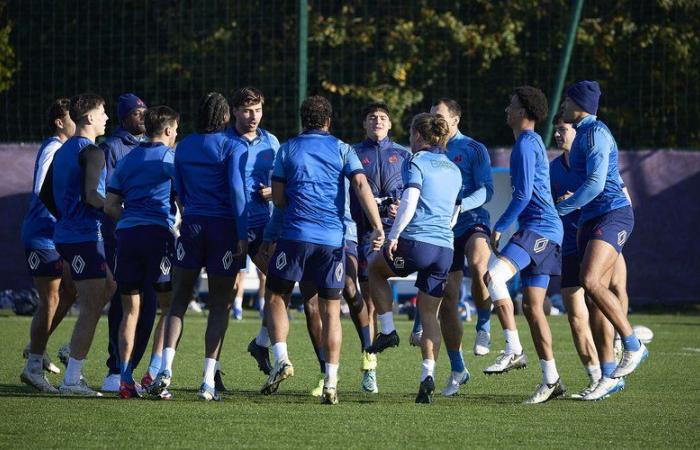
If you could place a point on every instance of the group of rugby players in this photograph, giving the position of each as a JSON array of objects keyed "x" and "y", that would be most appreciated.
[{"x": 338, "y": 219}]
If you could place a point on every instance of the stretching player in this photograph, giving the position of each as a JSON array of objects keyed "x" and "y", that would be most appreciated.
[
  {"x": 78, "y": 194},
  {"x": 471, "y": 240},
  {"x": 142, "y": 180},
  {"x": 605, "y": 224},
  {"x": 51, "y": 277},
  {"x": 307, "y": 184},
  {"x": 534, "y": 250},
  {"x": 420, "y": 240},
  {"x": 210, "y": 184}
]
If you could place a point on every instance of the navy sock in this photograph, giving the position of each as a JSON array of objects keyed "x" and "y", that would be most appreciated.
[
  {"x": 483, "y": 321},
  {"x": 366, "y": 338},
  {"x": 631, "y": 343},
  {"x": 607, "y": 368},
  {"x": 126, "y": 372},
  {"x": 417, "y": 325},
  {"x": 456, "y": 360}
]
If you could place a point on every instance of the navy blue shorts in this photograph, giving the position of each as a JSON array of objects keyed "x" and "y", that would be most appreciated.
[
  {"x": 364, "y": 251},
  {"x": 614, "y": 227},
  {"x": 322, "y": 265},
  {"x": 351, "y": 248},
  {"x": 208, "y": 242},
  {"x": 460, "y": 244},
  {"x": 545, "y": 256},
  {"x": 144, "y": 255},
  {"x": 255, "y": 240},
  {"x": 87, "y": 259},
  {"x": 432, "y": 263},
  {"x": 44, "y": 262},
  {"x": 570, "y": 266}
]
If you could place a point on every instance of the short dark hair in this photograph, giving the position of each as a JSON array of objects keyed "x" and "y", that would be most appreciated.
[
  {"x": 212, "y": 113},
  {"x": 247, "y": 96},
  {"x": 157, "y": 118},
  {"x": 533, "y": 102},
  {"x": 433, "y": 128},
  {"x": 374, "y": 107},
  {"x": 315, "y": 112},
  {"x": 558, "y": 117},
  {"x": 81, "y": 104},
  {"x": 57, "y": 110},
  {"x": 452, "y": 105}
]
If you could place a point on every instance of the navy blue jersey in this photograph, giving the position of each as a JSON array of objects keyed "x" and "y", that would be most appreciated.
[
  {"x": 562, "y": 179},
  {"x": 532, "y": 203}
]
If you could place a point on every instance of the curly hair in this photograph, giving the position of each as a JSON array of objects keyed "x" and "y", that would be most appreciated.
[
  {"x": 213, "y": 114},
  {"x": 82, "y": 104},
  {"x": 533, "y": 102},
  {"x": 315, "y": 112},
  {"x": 432, "y": 128}
]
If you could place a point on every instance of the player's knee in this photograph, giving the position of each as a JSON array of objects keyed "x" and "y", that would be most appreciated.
[
  {"x": 279, "y": 286},
  {"x": 590, "y": 282},
  {"x": 496, "y": 278}
]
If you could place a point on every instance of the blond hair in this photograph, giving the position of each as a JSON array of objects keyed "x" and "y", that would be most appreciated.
[{"x": 432, "y": 128}]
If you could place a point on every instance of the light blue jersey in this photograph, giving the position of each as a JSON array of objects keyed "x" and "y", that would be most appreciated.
[
  {"x": 593, "y": 159},
  {"x": 440, "y": 184},
  {"x": 143, "y": 179},
  {"x": 474, "y": 163},
  {"x": 312, "y": 166}
]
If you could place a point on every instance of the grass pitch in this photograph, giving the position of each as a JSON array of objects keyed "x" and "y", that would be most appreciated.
[{"x": 660, "y": 406}]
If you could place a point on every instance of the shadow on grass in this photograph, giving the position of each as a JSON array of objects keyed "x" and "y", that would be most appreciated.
[{"x": 24, "y": 391}]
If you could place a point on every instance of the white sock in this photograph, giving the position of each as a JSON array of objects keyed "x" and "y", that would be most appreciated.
[
  {"x": 263, "y": 339},
  {"x": 261, "y": 303},
  {"x": 168, "y": 357},
  {"x": 35, "y": 363},
  {"x": 549, "y": 371},
  {"x": 428, "y": 369},
  {"x": 208, "y": 372},
  {"x": 594, "y": 372},
  {"x": 513, "y": 346},
  {"x": 73, "y": 371},
  {"x": 279, "y": 351},
  {"x": 238, "y": 304},
  {"x": 387, "y": 322},
  {"x": 331, "y": 380},
  {"x": 217, "y": 367},
  {"x": 153, "y": 370}
]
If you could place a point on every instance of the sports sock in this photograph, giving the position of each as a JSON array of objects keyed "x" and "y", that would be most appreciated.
[
  {"x": 73, "y": 371},
  {"x": 456, "y": 360},
  {"x": 321, "y": 356},
  {"x": 168, "y": 357},
  {"x": 154, "y": 364},
  {"x": 550, "y": 375},
  {"x": 483, "y": 320},
  {"x": 238, "y": 304},
  {"x": 607, "y": 368},
  {"x": 209, "y": 370},
  {"x": 594, "y": 372},
  {"x": 261, "y": 304},
  {"x": 631, "y": 343},
  {"x": 417, "y": 325},
  {"x": 217, "y": 367},
  {"x": 126, "y": 372},
  {"x": 365, "y": 337},
  {"x": 513, "y": 345},
  {"x": 263, "y": 338},
  {"x": 279, "y": 351},
  {"x": 331, "y": 379},
  {"x": 35, "y": 363},
  {"x": 428, "y": 369},
  {"x": 386, "y": 320}
]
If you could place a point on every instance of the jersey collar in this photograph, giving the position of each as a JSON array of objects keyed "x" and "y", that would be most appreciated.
[
  {"x": 314, "y": 131},
  {"x": 585, "y": 121}
]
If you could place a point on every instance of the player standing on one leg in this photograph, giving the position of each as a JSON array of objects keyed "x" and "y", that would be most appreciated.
[
  {"x": 78, "y": 194},
  {"x": 142, "y": 180},
  {"x": 51, "y": 277},
  {"x": 605, "y": 224},
  {"x": 210, "y": 184},
  {"x": 307, "y": 183},
  {"x": 471, "y": 239},
  {"x": 535, "y": 249},
  {"x": 382, "y": 160},
  {"x": 420, "y": 240}
]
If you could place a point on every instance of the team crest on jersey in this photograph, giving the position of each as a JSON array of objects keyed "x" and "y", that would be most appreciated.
[
  {"x": 393, "y": 159},
  {"x": 339, "y": 272},
  {"x": 621, "y": 237},
  {"x": 78, "y": 264},
  {"x": 227, "y": 259},
  {"x": 281, "y": 261},
  {"x": 180, "y": 252},
  {"x": 365, "y": 161},
  {"x": 165, "y": 265},
  {"x": 540, "y": 244},
  {"x": 458, "y": 159},
  {"x": 33, "y": 260},
  {"x": 399, "y": 262}
]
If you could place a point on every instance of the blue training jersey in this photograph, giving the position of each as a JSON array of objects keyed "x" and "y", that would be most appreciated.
[
  {"x": 532, "y": 203},
  {"x": 593, "y": 159},
  {"x": 143, "y": 179},
  {"x": 312, "y": 166},
  {"x": 440, "y": 183},
  {"x": 210, "y": 178},
  {"x": 562, "y": 179},
  {"x": 474, "y": 163},
  {"x": 78, "y": 222},
  {"x": 258, "y": 170}
]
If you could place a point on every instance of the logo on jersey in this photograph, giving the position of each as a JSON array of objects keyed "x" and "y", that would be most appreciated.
[
  {"x": 251, "y": 235},
  {"x": 621, "y": 237},
  {"x": 78, "y": 264},
  {"x": 227, "y": 259},
  {"x": 540, "y": 244},
  {"x": 399, "y": 262},
  {"x": 165, "y": 265},
  {"x": 33, "y": 260},
  {"x": 365, "y": 161},
  {"x": 281, "y": 261},
  {"x": 393, "y": 159},
  {"x": 458, "y": 159},
  {"x": 180, "y": 251},
  {"x": 339, "y": 272}
]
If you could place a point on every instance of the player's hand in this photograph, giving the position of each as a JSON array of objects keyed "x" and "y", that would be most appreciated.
[
  {"x": 392, "y": 209},
  {"x": 565, "y": 196},
  {"x": 265, "y": 192},
  {"x": 391, "y": 246},
  {"x": 495, "y": 240},
  {"x": 377, "y": 239},
  {"x": 242, "y": 248}
]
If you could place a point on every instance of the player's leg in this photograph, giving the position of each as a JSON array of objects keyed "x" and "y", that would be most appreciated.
[
  {"x": 261, "y": 292},
  {"x": 618, "y": 285},
  {"x": 164, "y": 295},
  {"x": 131, "y": 300},
  {"x": 358, "y": 309},
  {"x": 452, "y": 331},
  {"x": 478, "y": 253},
  {"x": 578, "y": 317},
  {"x": 382, "y": 295},
  {"x": 238, "y": 298},
  {"x": 314, "y": 327},
  {"x": 259, "y": 346},
  {"x": 364, "y": 255},
  {"x": 430, "y": 345}
]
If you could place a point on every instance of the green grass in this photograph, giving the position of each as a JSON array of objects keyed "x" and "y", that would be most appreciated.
[{"x": 659, "y": 408}]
